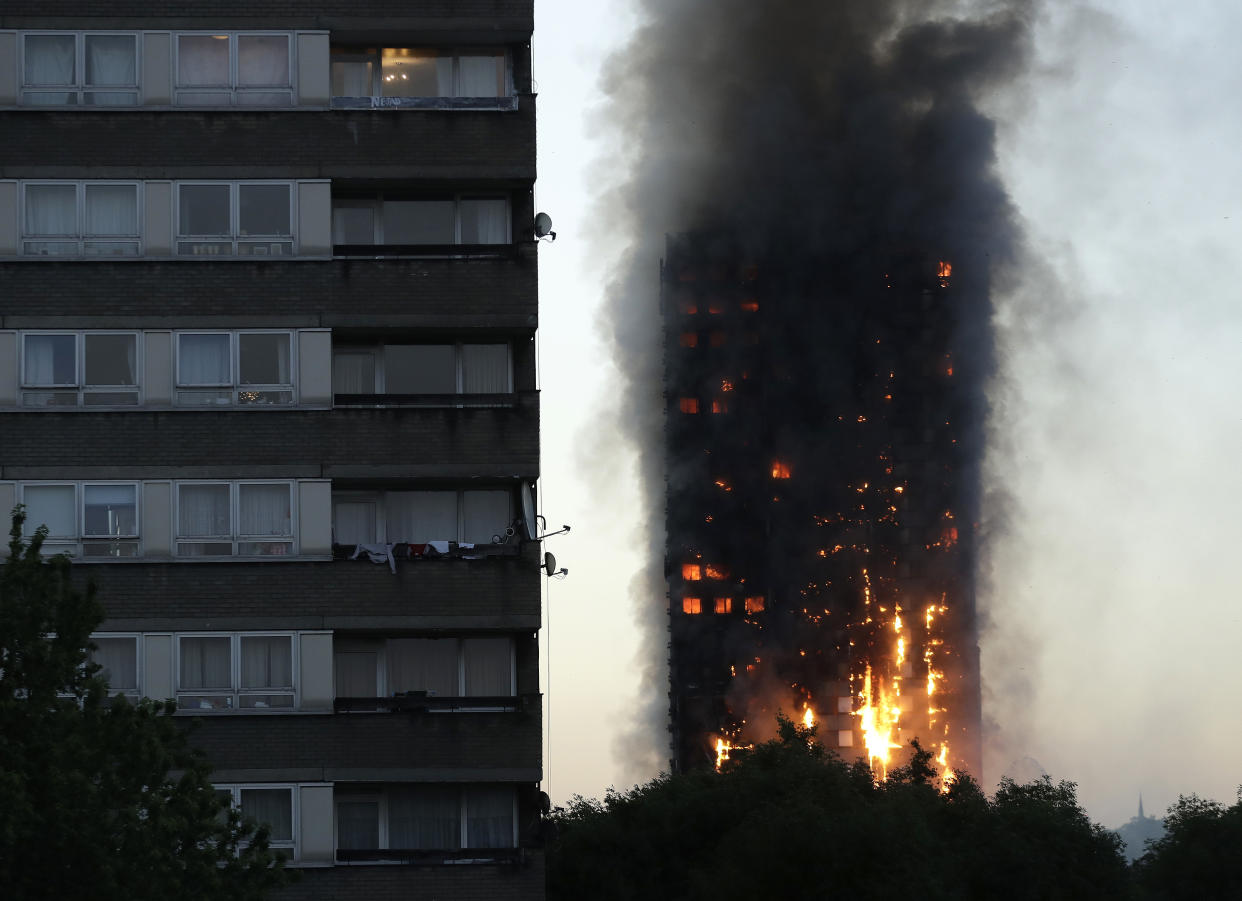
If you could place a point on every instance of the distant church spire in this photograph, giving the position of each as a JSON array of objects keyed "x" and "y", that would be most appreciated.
[{"x": 1140, "y": 805}]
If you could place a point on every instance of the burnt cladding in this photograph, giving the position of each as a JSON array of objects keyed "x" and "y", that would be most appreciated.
[{"x": 817, "y": 166}]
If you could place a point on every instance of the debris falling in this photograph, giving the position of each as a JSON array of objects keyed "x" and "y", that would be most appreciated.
[{"x": 816, "y": 184}]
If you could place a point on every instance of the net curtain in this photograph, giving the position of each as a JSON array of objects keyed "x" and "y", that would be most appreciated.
[
  {"x": 205, "y": 663},
  {"x": 266, "y": 662}
]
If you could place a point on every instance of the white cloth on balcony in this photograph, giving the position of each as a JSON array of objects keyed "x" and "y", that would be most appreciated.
[{"x": 377, "y": 553}]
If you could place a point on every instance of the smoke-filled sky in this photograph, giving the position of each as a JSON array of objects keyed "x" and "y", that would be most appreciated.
[{"x": 1109, "y": 649}]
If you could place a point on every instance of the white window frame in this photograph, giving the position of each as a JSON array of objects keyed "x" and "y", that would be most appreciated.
[
  {"x": 236, "y": 538},
  {"x": 80, "y": 237},
  {"x": 376, "y": 204},
  {"x": 381, "y": 507},
  {"x": 77, "y": 545},
  {"x": 137, "y": 638},
  {"x": 79, "y": 386},
  {"x": 351, "y": 792},
  {"x": 79, "y": 87},
  {"x": 294, "y": 844},
  {"x": 376, "y": 351},
  {"x": 233, "y": 89},
  {"x": 238, "y": 392},
  {"x": 235, "y": 692},
  {"x": 375, "y": 56},
  {"x": 212, "y": 245}
]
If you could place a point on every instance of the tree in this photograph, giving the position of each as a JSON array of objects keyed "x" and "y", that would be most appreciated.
[
  {"x": 98, "y": 794},
  {"x": 1197, "y": 857},
  {"x": 791, "y": 819}
]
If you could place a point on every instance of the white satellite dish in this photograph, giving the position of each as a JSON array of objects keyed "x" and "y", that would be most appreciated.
[
  {"x": 543, "y": 226},
  {"x": 549, "y": 564}
]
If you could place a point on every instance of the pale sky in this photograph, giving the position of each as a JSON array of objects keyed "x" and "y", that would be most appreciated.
[{"x": 1111, "y": 656}]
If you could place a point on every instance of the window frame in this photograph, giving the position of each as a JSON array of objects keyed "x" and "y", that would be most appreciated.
[
  {"x": 135, "y": 692},
  {"x": 233, "y": 89},
  {"x": 375, "y": 56},
  {"x": 294, "y": 844},
  {"x": 80, "y": 237},
  {"x": 236, "y": 691},
  {"x": 380, "y": 648},
  {"x": 237, "y": 389},
  {"x": 376, "y": 205},
  {"x": 235, "y": 239},
  {"x": 80, "y": 388},
  {"x": 235, "y": 537},
  {"x": 381, "y": 500},
  {"x": 75, "y": 546},
  {"x": 376, "y": 352},
  {"x": 351, "y": 792},
  {"x": 79, "y": 87}
]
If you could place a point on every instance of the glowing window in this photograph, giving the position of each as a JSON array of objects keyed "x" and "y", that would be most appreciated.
[
  {"x": 717, "y": 572},
  {"x": 724, "y": 605},
  {"x": 719, "y": 405},
  {"x": 691, "y": 572},
  {"x": 715, "y": 307},
  {"x": 754, "y": 604},
  {"x": 688, "y": 405},
  {"x": 780, "y": 470},
  {"x": 750, "y": 306},
  {"x": 691, "y": 606},
  {"x": 689, "y": 339}
]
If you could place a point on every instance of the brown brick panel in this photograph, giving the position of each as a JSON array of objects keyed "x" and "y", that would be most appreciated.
[
  {"x": 452, "y": 293},
  {"x": 310, "y": 443},
  {"x": 415, "y": 146},
  {"x": 361, "y": 741},
  {"x": 492, "y": 593},
  {"x": 482, "y": 882}
]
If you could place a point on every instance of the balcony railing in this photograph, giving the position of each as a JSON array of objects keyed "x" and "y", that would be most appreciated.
[{"x": 421, "y": 702}]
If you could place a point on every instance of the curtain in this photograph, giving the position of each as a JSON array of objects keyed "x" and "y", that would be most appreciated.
[
  {"x": 357, "y": 825},
  {"x": 352, "y": 78},
  {"x": 203, "y": 511},
  {"x": 356, "y": 673},
  {"x": 205, "y": 663},
  {"x": 111, "y": 210},
  {"x": 111, "y": 360},
  {"x": 202, "y": 59},
  {"x": 266, "y": 661},
  {"x": 204, "y": 360},
  {"x": 353, "y": 522},
  {"x": 50, "y": 59},
  {"x": 480, "y": 76},
  {"x": 51, "y": 360},
  {"x": 485, "y": 368},
  {"x": 263, "y": 359},
  {"x": 119, "y": 659},
  {"x": 423, "y": 664},
  {"x": 426, "y": 816},
  {"x": 485, "y": 221},
  {"x": 264, "y": 510},
  {"x": 110, "y": 510},
  {"x": 489, "y": 816},
  {"x": 51, "y": 210},
  {"x": 54, "y": 506},
  {"x": 273, "y": 806},
  {"x": 489, "y": 666},
  {"x": 485, "y": 515},
  {"x": 110, "y": 60},
  {"x": 353, "y": 373},
  {"x": 422, "y": 516},
  {"x": 262, "y": 60}
]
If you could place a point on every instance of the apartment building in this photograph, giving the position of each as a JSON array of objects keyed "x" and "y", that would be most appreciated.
[{"x": 268, "y": 299}]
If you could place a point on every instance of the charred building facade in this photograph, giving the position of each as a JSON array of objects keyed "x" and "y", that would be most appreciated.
[
  {"x": 822, "y": 450},
  {"x": 268, "y": 299}
]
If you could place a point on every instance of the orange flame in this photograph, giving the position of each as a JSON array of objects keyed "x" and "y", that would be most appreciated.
[{"x": 780, "y": 470}]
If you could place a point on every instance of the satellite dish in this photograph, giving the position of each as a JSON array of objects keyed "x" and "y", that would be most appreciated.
[
  {"x": 549, "y": 564},
  {"x": 543, "y": 226}
]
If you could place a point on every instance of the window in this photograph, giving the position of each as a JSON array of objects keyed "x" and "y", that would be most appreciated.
[
  {"x": 117, "y": 656},
  {"x": 423, "y": 369},
  {"x": 409, "y": 72},
  {"x": 93, "y": 369},
  {"x": 422, "y": 517},
  {"x": 425, "y": 818},
  {"x": 271, "y": 805},
  {"x": 234, "y": 368},
  {"x": 92, "y": 219},
  {"x": 235, "y": 672},
  {"x": 230, "y": 69},
  {"x": 84, "y": 519},
  {"x": 68, "y": 69},
  {"x": 246, "y": 519},
  {"x": 440, "y": 667},
  {"x": 243, "y": 219},
  {"x": 392, "y": 220}
]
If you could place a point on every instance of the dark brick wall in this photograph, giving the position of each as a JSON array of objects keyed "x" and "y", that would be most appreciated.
[
  {"x": 492, "y": 593},
  {"x": 419, "y": 741},
  {"x": 414, "y": 293},
  {"x": 470, "y": 148},
  {"x": 521, "y": 882},
  {"x": 307, "y": 443}
]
